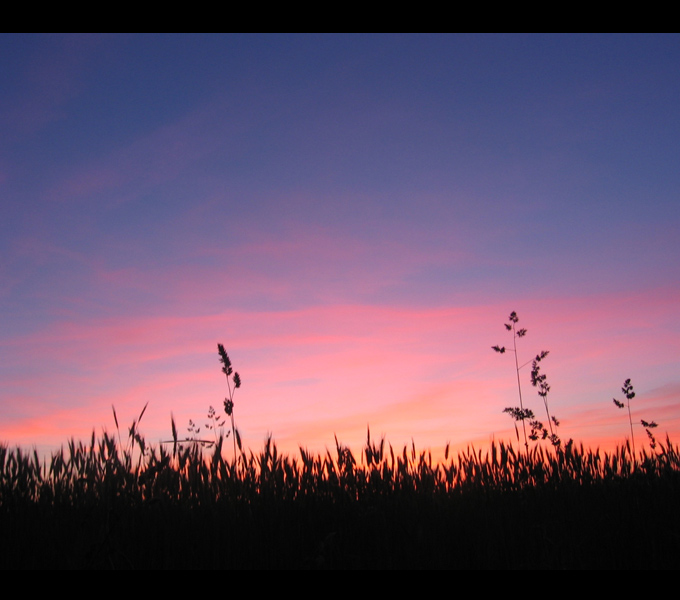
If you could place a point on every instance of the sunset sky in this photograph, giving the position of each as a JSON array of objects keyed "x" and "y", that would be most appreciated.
[{"x": 354, "y": 216}]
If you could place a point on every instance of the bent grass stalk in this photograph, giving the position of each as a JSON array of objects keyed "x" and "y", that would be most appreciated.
[
  {"x": 229, "y": 401},
  {"x": 539, "y": 380}
]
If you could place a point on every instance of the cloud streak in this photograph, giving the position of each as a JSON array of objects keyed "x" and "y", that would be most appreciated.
[{"x": 353, "y": 217}]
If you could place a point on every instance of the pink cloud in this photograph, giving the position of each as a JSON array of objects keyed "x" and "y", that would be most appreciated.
[{"x": 407, "y": 372}]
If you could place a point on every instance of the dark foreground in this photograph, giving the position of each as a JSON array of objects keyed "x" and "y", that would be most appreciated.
[{"x": 573, "y": 510}]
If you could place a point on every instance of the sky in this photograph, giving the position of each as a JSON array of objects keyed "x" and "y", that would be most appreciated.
[{"x": 354, "y": 216}]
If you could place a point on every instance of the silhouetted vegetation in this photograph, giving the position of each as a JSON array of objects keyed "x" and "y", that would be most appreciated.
[
  {"x": 96, "y": 505},
  {"x": 627, "y": 389},
  {"x": 521, "y": 414},
  {"x": 112, "y": 504}
]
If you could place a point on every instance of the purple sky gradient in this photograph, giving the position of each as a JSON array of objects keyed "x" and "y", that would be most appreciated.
[{"x": 353, "y": 216}]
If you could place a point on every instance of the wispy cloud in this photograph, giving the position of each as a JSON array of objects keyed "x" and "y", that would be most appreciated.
[
  {"x": 353, "y": 218},
  {"x": 315, "y": 371}
]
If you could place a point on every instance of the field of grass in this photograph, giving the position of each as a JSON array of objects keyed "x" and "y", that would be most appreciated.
[
  {"x": 104, "y": 504},
  {"x": 111, "y": 504}
]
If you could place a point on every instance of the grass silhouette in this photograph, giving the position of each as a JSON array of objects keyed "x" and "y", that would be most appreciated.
[
  {"x": 629, "y": 393},
  {"x": 114, "y": 503},
  {"x": 538, "y": 380},
  {"x": 232, "y": 385},
  {"x": 90, "y": 505}
]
